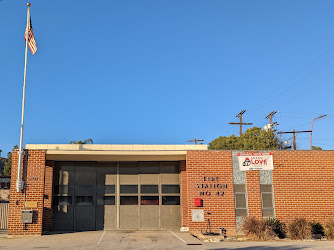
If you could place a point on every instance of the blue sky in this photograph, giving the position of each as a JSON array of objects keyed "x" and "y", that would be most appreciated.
[{"x": 164, "y": 72}]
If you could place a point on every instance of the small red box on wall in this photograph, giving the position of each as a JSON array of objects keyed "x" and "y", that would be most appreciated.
[{"x": 198, "y": 202}]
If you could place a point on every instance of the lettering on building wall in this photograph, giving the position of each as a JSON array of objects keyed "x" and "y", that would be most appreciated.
[{"x": 211, "y": 186}]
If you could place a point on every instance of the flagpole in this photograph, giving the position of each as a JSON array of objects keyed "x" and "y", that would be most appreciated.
[{"x": 19, "y": 184}]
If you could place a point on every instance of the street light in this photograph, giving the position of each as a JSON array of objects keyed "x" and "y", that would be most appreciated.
[{"x": 312, "y": 128}]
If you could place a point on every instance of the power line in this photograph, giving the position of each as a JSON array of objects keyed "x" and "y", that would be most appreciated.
[
  {"x": 294, "y": 136},
  {"x": 302, "y": 77}
]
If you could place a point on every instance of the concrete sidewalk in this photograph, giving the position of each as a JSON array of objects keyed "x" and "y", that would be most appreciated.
[{"x": 144, "y": 240}]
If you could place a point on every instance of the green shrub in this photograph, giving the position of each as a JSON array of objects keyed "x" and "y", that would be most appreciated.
[
  {"x": 329, "y": 229},
  {"x": 256, "y": 229},
  {"x": 299, "y": 229},
  {"x": 278, "y": 227},
  {"x": 317, "y": 228}
]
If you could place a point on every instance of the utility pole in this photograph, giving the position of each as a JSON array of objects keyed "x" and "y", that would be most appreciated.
[
  {"x": 241, "y": 123},
  {"x": 270, "y": 116},
  {"x": 294, "y": 136},
  {"x": 195, "y": 140}
]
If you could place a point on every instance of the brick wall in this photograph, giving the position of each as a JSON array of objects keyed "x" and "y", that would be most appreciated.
[
  {"x": 303, "y": 183},
  {"x": 184, "y": 194},
  {"x": 254, "y": 194},
  {"x": 33, "y": 173},
  {"x": 214, "y": 164},
  {"x": 47, "y": 208}
]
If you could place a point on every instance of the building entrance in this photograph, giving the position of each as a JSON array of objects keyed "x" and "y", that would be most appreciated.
[{"x": 116, "y": 195}]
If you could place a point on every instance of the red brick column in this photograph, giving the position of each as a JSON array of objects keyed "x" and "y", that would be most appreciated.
[
  {"x": 214, "y": 164},
  {"x": 184, "y": 194},
  {"x": 33, "y": 174},
  {"x": 254, "y": 193},
  {"x": 48, "y": 184}
]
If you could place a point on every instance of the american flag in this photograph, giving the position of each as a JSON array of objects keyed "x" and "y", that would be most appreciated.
[{"x": 31, "y": 39}]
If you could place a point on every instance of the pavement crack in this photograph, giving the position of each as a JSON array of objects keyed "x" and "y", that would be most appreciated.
[{"x": 123, "y": 237}]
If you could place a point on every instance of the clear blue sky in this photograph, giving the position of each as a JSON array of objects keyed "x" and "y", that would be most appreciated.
[{"x": 164, "y": 72}]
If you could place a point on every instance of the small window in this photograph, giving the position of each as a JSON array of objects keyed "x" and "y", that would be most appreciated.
[
  {"x": 62, "y": 200},
  {"x": 109, "y": 200},
  {"x": 105, "y": 200},
  {"x": 149, "y": 200},
  {"x": 170, "y": 200},
  {"x": 63, "y": 189},
  {"x": 84, "y": 190},
  {"x": 107, "y": 189},
  {"x": 170, "y": 189},
  {"x": 240, "y": 201},
  {"x": 149, "y": 189},
  {"x": 129, "y": 189},
  {"x": 84, "y": 200},
  {"x": 129, "y": 200},
  {"x": 267, "y": 200}
]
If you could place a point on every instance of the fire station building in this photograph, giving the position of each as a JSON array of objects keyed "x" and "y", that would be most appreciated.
[{"x": 78, "y": 187}]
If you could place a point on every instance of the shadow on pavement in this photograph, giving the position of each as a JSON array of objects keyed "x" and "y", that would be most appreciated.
[
  {"x": 60, "y": 232},
  {"x": 69, "y": 232},
  {"x": 289, "y": 247}
]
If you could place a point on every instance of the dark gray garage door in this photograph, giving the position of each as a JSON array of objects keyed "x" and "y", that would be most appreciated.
[{"x": 116, "y": 195}]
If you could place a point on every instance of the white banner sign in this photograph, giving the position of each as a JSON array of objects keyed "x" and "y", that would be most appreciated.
[{"x": 255, "y": 161}]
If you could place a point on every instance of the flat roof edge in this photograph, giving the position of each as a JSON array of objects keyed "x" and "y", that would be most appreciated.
[{"x": 115, "y": 147}]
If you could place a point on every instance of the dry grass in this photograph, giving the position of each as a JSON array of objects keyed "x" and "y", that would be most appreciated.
[
  {"x": 329, "y": 229},
  {"x": 258, "y": 230},
  {"x": 299, "y": 229}
]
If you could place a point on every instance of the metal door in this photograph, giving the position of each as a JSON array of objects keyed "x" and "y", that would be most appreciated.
[
  {"x": 85, "y": 196},
  {"x": 170, "y": 208},
  {"x": 106, "y": 200},
  {"x": 128, "y": 195},
  {"x": 110, "y": 195},
  {"x": 149, "y": 195},
  {"x": 63, "y": 191}
]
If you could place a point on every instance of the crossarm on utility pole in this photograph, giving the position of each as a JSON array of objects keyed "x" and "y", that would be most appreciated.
[
  {"x": 294, "y": 136},
  {"x": 241, "y": 123}
]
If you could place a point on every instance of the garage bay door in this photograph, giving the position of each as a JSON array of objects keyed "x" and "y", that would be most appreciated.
[{"x": 116, "y": 195}]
